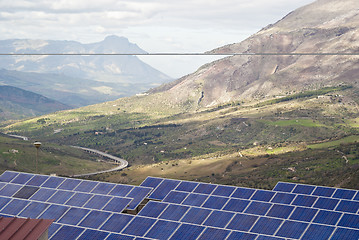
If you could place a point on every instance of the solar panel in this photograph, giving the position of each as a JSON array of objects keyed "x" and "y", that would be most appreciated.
[
  {"x": 349, "y": 220},
  {"x": 97, "y": 202},
  {"x": 284, "y": 187},
  {"x": 303, "y": 189},
  {"x": 280, "y": 211},
  {"x": 53, "y": 228},
  {"x": 174, "y": 212},
  {"x": 4, "y": 201},
  {"x": 15, "y": 206},
  {"x": 117, "y": 204},
  {"x": 26, "y": 192},
  {"x": 69, "y": 184},
  {"x": 54, "y": 212},
  {"x": 162, "y": 230},
  {"x": 224, "y": 191},
  {"x": 343, "y": 233},
  {"x": 121, "y": 190},
  {"x": 344, "y": 194},
  {"x": 139, "y": 226},
  {"x": 196, "y": 215},
  {"x": 326, "y": 203},
  {"x": 284, "y": 198},
  {"x": 116, "y": 222},
  {"x": 242, "y": 222},
  {"x": 7, "y": 176},
  {"x": 324, "y": 191},
  {"x": 53, "y": 182},
  {"x": 214, "y": 234},
  {"x": 73, "y": 216},
  {"x": 318, "y": 232},
  {"x": 241, "y": 235},
  {"x": 194, "y": 199},
  {"x": 218, "y": 219},
  {"x": 215, "y": 202},
  {"x": 151, "y": 182},
  {"x": 114, "y": 236},
  {"x": 245, "y": 193},
  {"x": 137, "y": 194},
  {"x": 348, "y": 206},
  {"x": 79, "y": 199},
  {"x": 22, "y": 178},
  {"x": 188, "y": 232},
  {"x": 94, "y": 219},
  {"x": 60, "y": 197},
  {"x": 103, "y": 188},
  {"x": 33, "y": 210},
  {"x": 187, "y": 186},
  {"x": 259, "y": 208},
  {"x": 327, "y": 217},
  {"x": 37, "y": 180},
  {"x": 305, "y": 201},
  {"x": 204, "y": 188},
  {"x": 266, "y": 225},
  {"x": 43, "y": 194},
  {"x": 67, "y": 232},
  {"x": 303, "y": 214},
  {"x": 93, "y": 235},
  {"x": 9, "y": 189},
  {"x": 291, "y": 229},
  {"x": 175, "y": 197},
  {"x": 163, "y": 189},
  {"x": 236, "y": 205},
  {"x": 86, "y": 186},
  {"x": 153, "y": 209},
  {"x": 262, "y": 195}
]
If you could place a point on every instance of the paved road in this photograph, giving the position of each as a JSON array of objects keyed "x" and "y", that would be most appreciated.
[{"x": 122, "y": 163}]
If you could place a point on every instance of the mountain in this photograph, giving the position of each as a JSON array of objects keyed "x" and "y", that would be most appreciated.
[
  {"x": 17, "y": 103},
  {"x": 116, "y": 76}
]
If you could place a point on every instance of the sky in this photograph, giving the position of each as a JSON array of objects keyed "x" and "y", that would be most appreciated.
[{"x": 156, "y": 26}]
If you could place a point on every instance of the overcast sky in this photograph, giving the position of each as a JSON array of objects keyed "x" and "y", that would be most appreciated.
[{"x": 154, "y": 25}]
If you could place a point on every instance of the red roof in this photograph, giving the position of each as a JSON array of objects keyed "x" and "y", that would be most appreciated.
[{"x": 23, "y": 228}]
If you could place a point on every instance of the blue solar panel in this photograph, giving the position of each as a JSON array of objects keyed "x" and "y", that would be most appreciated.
[
  {"x": 196, "y": 215},
  {"x": 348, "y": 206},
  {"x": 114, "y": 236},
  {"x": 284, "y": 187},
  {"x": 7, "y": 176},
  {"x": 245, "y": 193},
  {"x": 259, "y": 208},
  {"x": 174, "y": 212},
  {"x": 69, "y": 184},
  {"x": 214, "y": 234},
  {"x": 349, "y": 220},
  {"x": 266, "y": 225},
  {"x": 98, "y": 202},
  {"x": 218, "y": 219},
  {"x": 188, "y": 232},
  {"x": 224, "y": 191},
  {"x": 242, "y": 222},
  {"x": 73, "y": 216},
  {"x": 303, "y": 214},
  {"x": 323, "y": 191},
  {"x": 116, "y": 222},
  {"x": 153, "y": 209},
  {"x": 15, "y": 206},
  {"x": 241, "y": 235},
  {"x": 60, "y": 197},
  {"x": 67, "y": 232},
  {"x": 139, "y": 226},
  {"x": 327, "y": 217},
  {"x": 54, "y": 212},
  {"x": 93, "y": 235},
  {"x": 162, "y": 230},
  {"x": 291, "y": 229},
  {"x": 326, "y": 203},
  {"x": 303, "y": 200},
  {"x": 284, "y": 198},
  {"x": 86, "y": 186},
  {"x": 4, "y": 201},
  {"x": 303, "y": 189},
  {"x": 318, "y": 232},
  {"x": 152, "y": 182},
  {"x": 186, "y": 186},
  {"x": 22, "y": 178},
  {"x": 357, "y": 196},
  {"x": 2, "y": 184},
  {"x": 280, "y": 211},
  {"x": 53, "y": 182},
  {"x": 37, "y": 180},
  {"x": 262, "y": 195},
  {"x": 121, "y": 190},
  {"x": 79, "y": 199},
  {"x": 164, "y": 188},
  {"x": 53, "y": 228},
  {"x": 43, "y": 194},
  {"x": 33, "y": 210},
  {"x": 103, "y": 188},
  {"x": 175, "y": 197},
  {"x": 26, "y": 192},
  {"x": 344, "y": 194},
  {"x": 94, "y": 219},
  {"x": 138, "y": 194},
  {"x": 9, "y": 189},
  {"x": 195, "y": 199},
  {"x": 343, "y": 233},
  {"x": 117, "y": 204},
  {"x": 205, "y": 188},
  {"x": 236, "y": 205},
  {"x": 215, "y": 202},
  {"x": 264, "y": 237}
]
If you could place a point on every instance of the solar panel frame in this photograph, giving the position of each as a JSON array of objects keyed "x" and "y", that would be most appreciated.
[{"x": 114, "y": 236}]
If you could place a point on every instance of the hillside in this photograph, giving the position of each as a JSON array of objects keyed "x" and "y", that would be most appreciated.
[
  {"x": 17, "y": 103},
  {"x": 239, "y": 108}
]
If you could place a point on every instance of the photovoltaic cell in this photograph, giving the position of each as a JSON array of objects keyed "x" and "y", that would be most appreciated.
[
  {"x": 93, "y": 235},
  {"x": 54, "y": 212},
  {"x": 43, "y": 194},
  {"x": 348, "y": 206},
  {"x": 224, "y": 191},
  {"x": 117, "y": 204},
  {"x": 69, "y": 184},
  {"x": 195, "y": 199},
  {"x": 327, "y": 217},
  {"x": 284, "y": 187},
  {"x": 318, "y": 232},
  {"x": 245, "y": 193},
  {"x": 218, "y": 219},
  {"x": 37, "y": 180},
  {"x": 60, "y": 197},
  {"x": 175, "y": 197},
  {"x": 86, "y": 186},
  {"x": 186, "y": 186},
  {"x": 188, "y": 232},
  {"x": 303, "y": 189},
  {"x": 280, "y": 211},
  {"x": 174, "y": 212},
  {"x": 74, "y": 216},
  {"x": 291, "y": 229},
  {"x": 344, "y": 194},
  {"x": 343, "y": 233},
  {"x": 151, "y": 182},
  {"x": 196, "y": 215},
  {"x": 204, "y": 188},
  {"x": 236, "y": 205},
  {"x": 15, "y": 206},
  {"x": 67, "y": 232},
  {"x": 53, "y": 228},
  {"x": 114, "y": 236},
  {"x": 97, "y": 202},
  {"x": 323, "y": 191},
  {"x": 9, "y": 189},
  {"x": 139, "y": 226},
  {"x": 242, "y": 222},
  {"x": 163, "y": 189},
  {"x": 241, "y": 235},
  {"x": 266, "y": 225},
  {"x": 349, "y": 220},
  {"x": 26, "y": 192},
  {"x": 53, "y": 182},
  {"x": 215, "y": 202},
  {"x": 357, "y": 196},
  {"x": 214, "y": 234},
  {"x": 79, "y": 199},
  {"x": 153, "y": 209},
  {"x": 303, "y": 214},
  {"x": 103, "y": 188},
  {"x": 284, "y": 198},
  {"x": 137, "y": 194},
  {"x": 262, "y": 195},
  {"x": 259, "y": 208},
  {"x": 116, "y": 222},
  {"x": 7, "y": 176},
  {"x": 303, "y": 200},
  {"x": 162, "y": 230},
  {"x": 34, "y": 209},
  {"x": 121, "y": 190},
  {"x": 264, "y": 237},
  {"x": 4, "y": 201},
  {"x": 94, "y": 219},
  {"x": 22, "y": 178},
  {"x": 326, "y": 203}
]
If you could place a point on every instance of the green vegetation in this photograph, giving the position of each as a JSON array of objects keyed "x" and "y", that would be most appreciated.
[{"x": 346, "y": 140}]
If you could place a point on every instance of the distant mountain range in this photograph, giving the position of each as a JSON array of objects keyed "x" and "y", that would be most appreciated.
[{"x": 78, "y": 80}]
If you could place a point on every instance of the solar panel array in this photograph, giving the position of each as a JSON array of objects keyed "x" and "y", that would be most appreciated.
[{"x": 180, "y": 209}]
